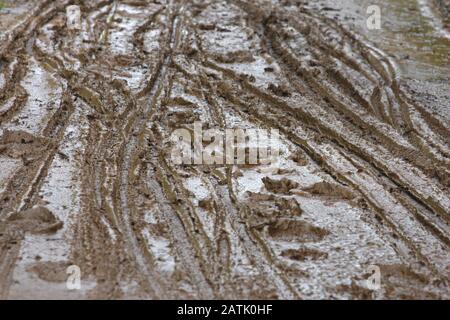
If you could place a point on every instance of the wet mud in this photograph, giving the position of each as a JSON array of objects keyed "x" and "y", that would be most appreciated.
[{"x": 86, "y": 178}]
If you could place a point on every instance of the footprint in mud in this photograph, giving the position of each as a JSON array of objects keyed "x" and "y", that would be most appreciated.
[
  {"x": 239, "y": 56},
  {"x": 279, "y": 90},
  {"x": 397, "y": 281},
  {"x": 38, "y": 220},
  {"x": 18, "y": 144},
  {"x": 352, "y": 291},
  {"x": 207, "y": 204},
  {"x": 304, "y": 254},
  {"x": 267, "y": 208},
  {"x": 400, "y": 282},
  {"x": 328, "y": 190},
  {"x": 294, "y": 230},
  {"x": 270, "y": 203},
  {"x": 50, "y": 271},
  {"x": 180, "y": 102},
  {"x": 300, "y": 158},
  {"x": 176, "y": 117},
  {"x": 283, "y": 186}
]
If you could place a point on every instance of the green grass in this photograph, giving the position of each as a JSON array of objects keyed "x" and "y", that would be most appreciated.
[{"x": 2, "y": 5}]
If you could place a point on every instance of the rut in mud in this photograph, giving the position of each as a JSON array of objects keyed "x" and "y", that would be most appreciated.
[{"x": 86, "y": 118}]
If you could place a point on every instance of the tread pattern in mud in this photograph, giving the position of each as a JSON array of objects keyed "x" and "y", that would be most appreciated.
[{"x": 86, "y": 117}]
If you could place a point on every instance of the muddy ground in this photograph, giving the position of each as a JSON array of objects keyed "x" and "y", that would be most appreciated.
[{"x": 362, "y": 178}]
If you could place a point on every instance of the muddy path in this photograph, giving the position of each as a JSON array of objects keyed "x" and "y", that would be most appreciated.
[{"x": 86, "y": 116}]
